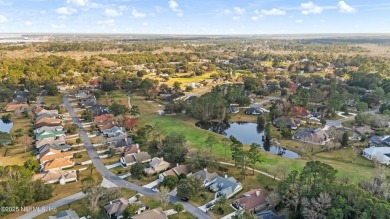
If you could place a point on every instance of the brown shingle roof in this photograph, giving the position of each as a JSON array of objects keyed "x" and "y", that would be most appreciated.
[
  {"x": 252, "y": 199},
  {"x": 102, "y": 118},
  {"x": 52, "y": 154},
  {"x": 48, "y": 121},
  {"x": 57, "y": 163},
  {"x": 14, "y": 106}
]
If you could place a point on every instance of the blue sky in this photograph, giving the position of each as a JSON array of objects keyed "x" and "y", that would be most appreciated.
[{"x": 195, "y": 16}]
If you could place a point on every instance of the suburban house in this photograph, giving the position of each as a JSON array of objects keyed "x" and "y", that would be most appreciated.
[
  {"x": 45, "y": 115},
  {"x": 88, "y": 101},
  {"x": 132, "y": 149},
  {"x": 39, "y": 111},
  {"x": 114, "y": 131},
  {"x": 252, "y": 201},
  {"x": 57, "y": 176},
  {"x": 64, "y": 87},
  {"x": 67, "y": 214},
  {"x": 44, "y": 141},
  {"x": 58, "y": 164},
  {"x": 313, "y": 136},
  {"x": 53, "y": 122},
  {"x": 131, "y": 159},
  {"x": 107, "y": 124},
  {"x": 176, "y": 171},
  {"x": 49, "y": 134},
  {"x": 233, "y": 109},
  {"x": 380, "y": 154},
  {"x": 48, "y": 129},
  {"x": 287, "y": 122},
  {"x": 156, "y": 165},
  {"x": 115, "y": 208},
  {"x": 300, "y": 112},
  {"x": 363, "y": 130},
  {"x": 120, "y": 145},
  {"x": 52, "y": 154},
  {"x": 81, "y": 94},
  {"x": 54, "y": 146},
  {"x": 156, "y": 213},
  {"x": 98, "y": 110},
  {"x": 253, "y": 111},
  {"x": 378, "y": 141},
  {"x": 102, "y": 118},
  {"x": 20, "y": 96},
  {"x": 225, "y": 186},
  {"x": 15, "y": 106},
  {"x": 206, "y": 177}
]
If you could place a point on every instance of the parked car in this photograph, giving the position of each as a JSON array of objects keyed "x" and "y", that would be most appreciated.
[
  {"x": 184, "y": 199},
  {"x": 208, "y": 205},
  {"x": 155, "y": 190}
]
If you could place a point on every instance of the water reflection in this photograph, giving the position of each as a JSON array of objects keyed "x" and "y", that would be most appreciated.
[{"x": 247, "y": 133}]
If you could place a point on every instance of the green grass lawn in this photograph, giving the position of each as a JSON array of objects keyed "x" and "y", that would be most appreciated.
[
  {"x": 181, "y": 215},
  {"x": 56, "y": 100},
  {"x": 271, "y": 163}
]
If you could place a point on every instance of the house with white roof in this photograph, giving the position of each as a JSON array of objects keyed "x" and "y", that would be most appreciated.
[{"x": 380, "y": 154}]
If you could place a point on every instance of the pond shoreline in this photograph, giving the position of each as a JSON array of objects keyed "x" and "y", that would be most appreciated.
[{"x": 247, "y": 133}]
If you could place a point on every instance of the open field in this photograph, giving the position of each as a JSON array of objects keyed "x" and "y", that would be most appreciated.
[
  {"x": 196, "y": 138},
  {"x": 56, "y": 100}
]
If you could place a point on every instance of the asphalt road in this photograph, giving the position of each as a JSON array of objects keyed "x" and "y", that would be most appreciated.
[
  {"x": 337, "y": 123},
  {"x": 52, "y": 206},
  {"x": 195, "y": 211}
]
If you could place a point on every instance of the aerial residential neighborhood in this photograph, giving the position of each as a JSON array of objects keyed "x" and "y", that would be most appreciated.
[{"x": 194, "y": 109}]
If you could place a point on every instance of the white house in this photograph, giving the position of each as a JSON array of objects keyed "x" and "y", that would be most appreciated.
[{"x": 381, "y": 154}]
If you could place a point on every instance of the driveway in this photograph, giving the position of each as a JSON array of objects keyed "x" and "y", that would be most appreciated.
[
  {"x": 337, "y": 123},
  {"x": 53, "y": 206},
  {"x": 116, "y": 179}
]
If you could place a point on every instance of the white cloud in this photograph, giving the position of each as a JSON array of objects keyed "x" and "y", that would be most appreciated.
[
  {"x": 108, "y": 21},
  {"x": 236, "y": 18},
  {"x": 256, "y": 17},
  {"x": 137, "y": 14},
  {"x": 298, "y": 21},
  {"x": 322, "y": 21},
  {"x": 28, "y": 23},
  {"x": 145, "y": 24},
  {"x": 65, "y": 11},
  {"x": 345, "y": 8},
  {"x": 123, "y": 8},
  {"x": 274, "y": 11},
  {"x": 310, "y": 8},
  {"x": 174, "y": 6},
  {"x": 78, "y": 2},
  {"x": 3, "y": 18},
  {"x": 57, "y": 26},
  {"x": 226, "y": 11},
  {"x": 238, "y": 10},
  {"x": 112, "y": 12}
]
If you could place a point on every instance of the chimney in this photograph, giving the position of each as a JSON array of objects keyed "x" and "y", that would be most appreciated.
[
  {"x": 205, "y": 169},
  {"x": 257, "y": 192},
  {"x": 126, "y": 140},
  {"x": 226, "y": 176},
  {"x": 110, "y": 202},
  {"x": 177, "y": 164}
]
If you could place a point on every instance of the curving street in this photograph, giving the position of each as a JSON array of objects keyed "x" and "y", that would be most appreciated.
[{"x": 97, "y": 162}]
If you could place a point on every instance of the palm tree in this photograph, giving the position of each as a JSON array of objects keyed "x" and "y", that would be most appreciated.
[{"x": 134, "y": 111}]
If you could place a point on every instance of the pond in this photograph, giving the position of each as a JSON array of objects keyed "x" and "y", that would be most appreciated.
[
  {"x": 5, "y": 126},
  {"x": 247, "y": 133}
]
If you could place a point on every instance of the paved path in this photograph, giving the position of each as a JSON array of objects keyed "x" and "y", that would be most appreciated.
[
  {"x": 116, "y": 179},
  {"x": 40, "y": 98},
  {"x": 337, "y": 123},
  {"x": 53, "y": 206}
]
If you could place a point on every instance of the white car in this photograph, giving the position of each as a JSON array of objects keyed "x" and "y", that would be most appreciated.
[{"x": 155, "y": 190}]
